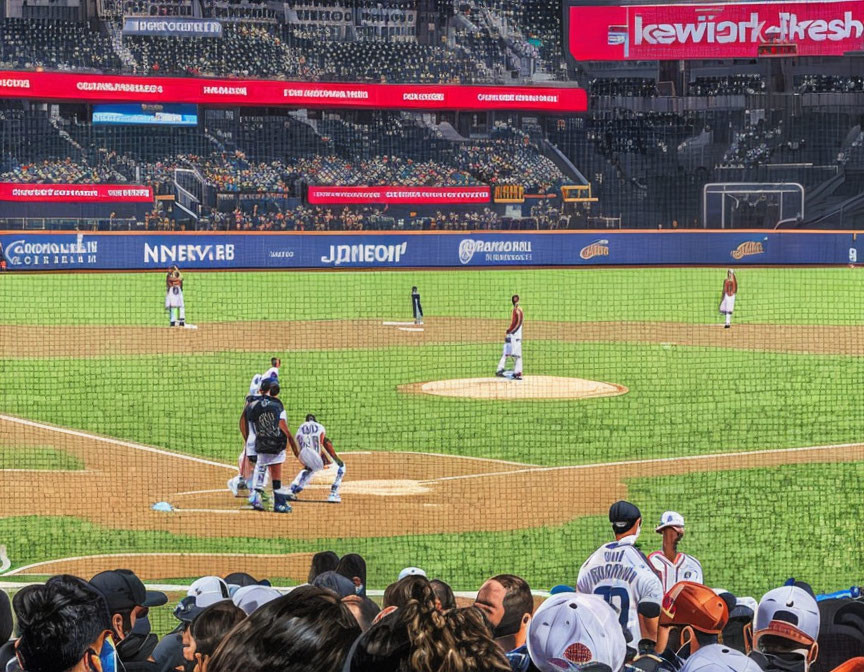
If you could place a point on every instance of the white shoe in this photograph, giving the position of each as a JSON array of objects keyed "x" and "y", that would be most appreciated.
[
  {"x": 334, "y": 498},
  {"x": 233, "y": 485}
]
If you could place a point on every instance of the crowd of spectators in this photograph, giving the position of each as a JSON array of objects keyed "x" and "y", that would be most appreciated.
[
  {"x": 727, "y": 86},
  {"x": 28, "y": 44},
  {"x": 639, "y": 87},
  {"x": 62, "y": 171},
  {"x": 830, "y": 84},
  {"x": 754, "y": 144},
  {"x": 331, "y": 624}
]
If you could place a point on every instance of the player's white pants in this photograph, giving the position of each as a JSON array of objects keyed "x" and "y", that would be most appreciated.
[
  {"x": 305, "y": 474},
  {"x": 174, "y": 300},
  {"x": 512, "y": 349},
  {"x": 727, "y": 306},
  {"x": 264, "y": 460}
]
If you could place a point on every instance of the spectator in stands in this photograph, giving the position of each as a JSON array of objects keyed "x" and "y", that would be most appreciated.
[
  {"x": 7, "y": 646},
  {"x": 129, "y": 603},
  {"x": 308, "y": 629},
  {"x": 324, "y": 561},
  {"x": 507, "y": 601},
  {"x": 353, "y": 567},
  {"x": 63, "y": 625},
  {"x": 363, "y": 609},
  {"x": 444, "y": 594},
  {"x": 207, "y": 631}
]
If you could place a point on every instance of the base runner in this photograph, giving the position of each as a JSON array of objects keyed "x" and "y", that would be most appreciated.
[
  {"x": 174, "y": 296},
  {"x": 513, "y": 342},
  {"x": 315, "y": 452},
  {"x": 727, "y": 303}
]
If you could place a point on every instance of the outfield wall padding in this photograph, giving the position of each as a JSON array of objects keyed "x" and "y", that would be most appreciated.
[{"x": 141, "y": 251}]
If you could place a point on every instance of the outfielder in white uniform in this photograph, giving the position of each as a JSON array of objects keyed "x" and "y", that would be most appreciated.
[
  {"x": 513, "y": 342},
  {"x": 315, "y": 451},
  {"x": 174, "y": 296},
  {"x": 670, "y": 565},
  {"x": 620, "y": 574}
]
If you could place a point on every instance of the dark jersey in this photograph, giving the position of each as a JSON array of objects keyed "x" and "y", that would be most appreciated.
[{"x": 264, "y": 415}]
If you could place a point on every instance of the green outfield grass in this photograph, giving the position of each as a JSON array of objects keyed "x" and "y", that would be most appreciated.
[
  {"x": 682, "y": 401},
  {"x": 783, "y": 296},
  {"x": 732, "y": 518},
  {"x": 752, "y": 528}
]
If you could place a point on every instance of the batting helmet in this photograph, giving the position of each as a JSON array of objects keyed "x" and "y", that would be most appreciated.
[
  {"x": 718, "y": 658},
  {"x": 789, "y": 612}
]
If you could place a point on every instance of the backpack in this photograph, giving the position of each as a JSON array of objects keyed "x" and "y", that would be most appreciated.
[{"x": 841, "y": 633}]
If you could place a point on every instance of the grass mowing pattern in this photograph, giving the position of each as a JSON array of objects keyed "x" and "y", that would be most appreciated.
[{"x": 38, "y": 458}]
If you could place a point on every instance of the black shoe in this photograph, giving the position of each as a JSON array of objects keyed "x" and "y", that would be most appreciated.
[
  {"x": 500, "y": 373},
  {"x": 727, "y": 326},
  {"x": 517, "y": 376},
  {"x": 173, "y": 324}
]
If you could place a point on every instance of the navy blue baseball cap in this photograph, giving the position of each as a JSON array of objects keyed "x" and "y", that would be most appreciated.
[
  {"x": 623, "y": 514},
  {"x": 123, "y": 590}
]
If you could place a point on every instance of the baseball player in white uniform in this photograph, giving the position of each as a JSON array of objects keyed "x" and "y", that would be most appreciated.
[
  {"x": 513, "y": 342},
  {"x": 727, "y": 302},
  {"x": 620, "y": 574},
  {"x": 174, "y": 297},
  {"x": 670, "y": 565},
  {"x": 244, "y": 468},
  {"x": 315, "y": 451},
  {"x": 273, "y": 371}
]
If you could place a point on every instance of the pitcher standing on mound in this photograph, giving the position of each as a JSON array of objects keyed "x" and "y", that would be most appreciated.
[
  {"x": 174, "y": 296},
  {"x": 513, "y": 342}
]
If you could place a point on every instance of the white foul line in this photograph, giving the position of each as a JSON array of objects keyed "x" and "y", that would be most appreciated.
[
  {"x": 398, "y": 324},
  {"x": 116, "y": 442},
  {"x": 653, "y": 460}
]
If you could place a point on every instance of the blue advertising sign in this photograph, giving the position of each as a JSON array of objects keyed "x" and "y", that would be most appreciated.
[
  {"x": 146, "y": 114},
  {"x": 26, "y": 250}
]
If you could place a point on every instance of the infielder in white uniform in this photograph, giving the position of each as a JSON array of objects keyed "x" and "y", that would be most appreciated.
[
  {"x": 273, "y": 371},
  {"x": 174, "y": 296},
  {"x": 620, "y": 574},
  {"x": 513, "y": 342},
  {"x": 670, "y": 565},
  {"x": 315, "y": 451}
]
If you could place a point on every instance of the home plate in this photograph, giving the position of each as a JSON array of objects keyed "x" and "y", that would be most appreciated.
[
  {"x": 504, "y": 389},
  {"x": 190, "y": 326}
]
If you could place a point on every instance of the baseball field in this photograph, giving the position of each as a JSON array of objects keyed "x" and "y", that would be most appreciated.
[{"x": 752, "y": 433}]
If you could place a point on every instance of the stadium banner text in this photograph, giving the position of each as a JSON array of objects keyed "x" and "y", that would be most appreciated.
[
  {"x": 398, "y": 195},
  {"x": 130, "y": 251},
  {"x": 171, "y": 27},
  {"x": 617, "y": 32},
  {"x": 107, "y": 88},
  {"x": 75, "y": 193}
]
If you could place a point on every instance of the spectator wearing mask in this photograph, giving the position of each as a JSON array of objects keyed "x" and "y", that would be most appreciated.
[
  {"x": 129, "y": 603},
  {"x": 508, "y": 604},
  {"x": 64, "y": 626},
  {"x": 207, "y": 631},
  {"x": 353, "y": 567},
  {"x": 308, "y": 629}
]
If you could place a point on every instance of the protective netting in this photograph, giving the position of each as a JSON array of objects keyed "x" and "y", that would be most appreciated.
[{"x": 632, "y": 389}]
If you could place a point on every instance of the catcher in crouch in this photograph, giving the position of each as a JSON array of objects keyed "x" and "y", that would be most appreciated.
[{"x": 315, "y": 451}]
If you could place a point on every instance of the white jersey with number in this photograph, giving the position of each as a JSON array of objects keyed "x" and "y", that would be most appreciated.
[
  {"x": 620, "y": 574},
  {"x": 684, "y": 568},
  {"x": 310, "y": 440}
]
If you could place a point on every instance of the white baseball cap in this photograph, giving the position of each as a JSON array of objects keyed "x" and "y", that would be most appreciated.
[
  {"x": 719, "y": 658},
  {"x": 575, "y": 628},
  {"x": 411, "y": 571},
  {"x": 209, "y": 590},
  {"x": 670, "y": 519},
  {"x": 789, "y": 612},
  {"x": 249, "y": 598}
]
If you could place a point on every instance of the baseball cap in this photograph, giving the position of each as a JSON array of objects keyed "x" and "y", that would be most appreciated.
[
  {"x": 202, "y": 593},
  {"x": 790, "y": 612},
  {"x": 249, "y": 598},
  {"x": 337, "y": 583},
  {"x": 238, "y": 580},
  {"x": 719, "y": 658},
  {"x": 570, "y": 630},
  {"x": 623, "y": 514},
  {"x": 123, "y": 590},
  {"x": 411, "y": 571},
  {"x": 689, "y": 603},
  {"x": 670, "y": 519},
  {"x": 561, "y": 588}
]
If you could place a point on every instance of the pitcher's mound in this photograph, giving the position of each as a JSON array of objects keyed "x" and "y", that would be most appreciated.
[{"x": 532, "y": 387}]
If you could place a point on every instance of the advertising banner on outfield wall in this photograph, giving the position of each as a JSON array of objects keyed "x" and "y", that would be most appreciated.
[
  {"x": 105, "y": 88},
  {"x": 399, "y": 195},
  {"x": 616, "y": 32},
  {"x": 171, "y": 27},
  {"x": 136, "y": 251},
  {"x": 75, "y": 193}
]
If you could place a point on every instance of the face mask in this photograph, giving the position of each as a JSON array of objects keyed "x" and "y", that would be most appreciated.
[
  {"x": 107, "y": 656},
  {"x": 358, "y": 590}
]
